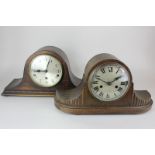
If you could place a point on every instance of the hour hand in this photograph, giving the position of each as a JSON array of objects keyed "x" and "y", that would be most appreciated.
[
  {"x": 38, "y": 70},
  {"x": 117, "y": 78}
]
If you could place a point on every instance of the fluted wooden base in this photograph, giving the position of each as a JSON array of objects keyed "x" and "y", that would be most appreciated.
[{"x": 141, "y": 102}]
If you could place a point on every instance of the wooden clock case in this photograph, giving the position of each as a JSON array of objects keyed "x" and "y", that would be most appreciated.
[
  {"x": 79, "y": 100},
  {"x": 26, "y": 87}
]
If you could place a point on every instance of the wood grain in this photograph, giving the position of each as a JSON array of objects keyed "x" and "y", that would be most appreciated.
[
  {"x": 26, "y": 87},
  {"x": 79, "y": 100}
]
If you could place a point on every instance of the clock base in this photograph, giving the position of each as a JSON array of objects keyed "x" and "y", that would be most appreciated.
[
  {"x": 107, "y": 110},
  {"x": 19, "y": 88},
  {"x": 140, "y": 103}
]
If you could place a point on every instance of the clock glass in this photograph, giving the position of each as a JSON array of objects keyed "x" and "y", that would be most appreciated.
[
  {"x": 45, "y": 70},
  {"x": 109, "y": 82}
]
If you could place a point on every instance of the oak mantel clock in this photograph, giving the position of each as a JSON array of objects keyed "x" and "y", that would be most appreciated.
[
  {"x": 45, "y": 71},
  {"x": 106, "y": 88}
]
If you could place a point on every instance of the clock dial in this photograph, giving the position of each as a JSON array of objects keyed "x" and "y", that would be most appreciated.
[
  {"x": 109, "y": 82},
  {"x": 45, "y": 71}
]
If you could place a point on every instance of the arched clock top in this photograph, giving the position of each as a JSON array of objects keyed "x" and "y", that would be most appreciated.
[
  {"x": 106, "y": 88},
  {"x": 45, "y": 70}
]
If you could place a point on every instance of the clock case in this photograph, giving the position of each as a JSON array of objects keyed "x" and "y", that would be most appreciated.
[
  {"x": 26, "y": 87},
  {"x": 80, "y": 101}
]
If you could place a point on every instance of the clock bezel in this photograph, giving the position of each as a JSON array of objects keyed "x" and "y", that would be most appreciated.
[
  {"x": 97, "y": 67},
  {"x": 27, "y": 77},
  {"x": 50, "y": 56},
  {"x": 106, "y": 62}
]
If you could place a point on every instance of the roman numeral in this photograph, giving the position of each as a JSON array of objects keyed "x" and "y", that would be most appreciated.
[
  {"x": 110, "y": 69},
  {"x": 107, "y": 96},
  {"x": 115, "y": 94},
  {"x": 96, "y": 88},
  {"x": 118, "y": 70},
  {"x": 101, "y": 94},
  {"x": 102, "y": 70},
  {"x": 124, "y": 83},
  {"x": 120, "y": 89}
]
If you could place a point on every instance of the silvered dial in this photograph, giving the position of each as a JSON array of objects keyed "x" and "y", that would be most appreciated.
[
  {"x": 109, "y": 82},
  {"x": 45, "y": 70}
]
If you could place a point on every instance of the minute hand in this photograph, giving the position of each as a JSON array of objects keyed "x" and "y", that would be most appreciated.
[{"x": 48, "y": 64}]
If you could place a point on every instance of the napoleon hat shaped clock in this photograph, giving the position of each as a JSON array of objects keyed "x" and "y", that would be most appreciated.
[
  {"x": 45, "y": 71},
  {"x": 106, "y": 88}
]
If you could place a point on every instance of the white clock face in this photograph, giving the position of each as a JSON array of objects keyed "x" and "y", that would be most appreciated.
[
  {"x": 45, "y": 70},
  {"x": 109, "y": 82}
]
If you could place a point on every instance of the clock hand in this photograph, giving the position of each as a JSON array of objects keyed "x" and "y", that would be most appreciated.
[
  {"x": 109, "y": 83},
  {"x": 102, "y": 80},
  {"x": 38, "y": 70},
  {"x": 117, "y": 78},
  {"x": 48, "y": 64}
]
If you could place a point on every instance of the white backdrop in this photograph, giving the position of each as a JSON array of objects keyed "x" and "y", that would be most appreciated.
[{"x": 133, "y": 45}]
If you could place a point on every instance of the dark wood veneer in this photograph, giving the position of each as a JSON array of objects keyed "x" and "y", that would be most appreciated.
[
  {"x": 80, "y": 101},
  {"x": 26, "y": 87}
]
